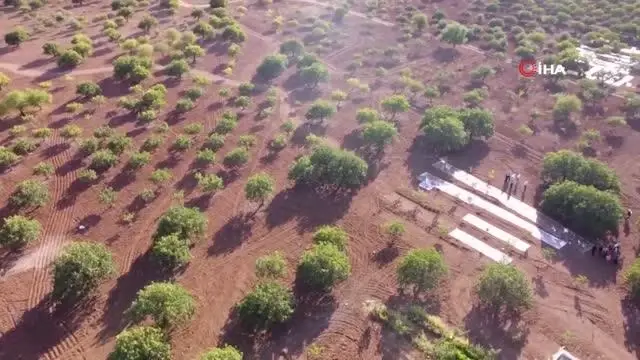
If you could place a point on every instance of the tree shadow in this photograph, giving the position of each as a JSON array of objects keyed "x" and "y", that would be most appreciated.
[
  {"x": 70, "y": 166},
  {"x": 202, "y": 202},
  {"x": 386, "y": 255},
  {"x": 498, "y": 330},
  {"x": 123, "y": 179},
  {"x": 445, "y": 55},
  {"x": 42, "y": 328},
  {"x": 143, "y": 272},
  {"x": 8, "y": 257},
  {"x": 539, "y": 286},
  {"x": 36, "y": 63},
  {"x": 90, "y": 220},
  {"x": 55, "y": 150},
  {"x": 309, "y": 207},
  {"x": 631, "y": 314},
  {"x": 232, "y": 234},
  {"x": 305, "y": 129}
]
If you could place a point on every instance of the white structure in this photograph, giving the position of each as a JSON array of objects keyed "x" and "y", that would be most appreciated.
[
  {"x": 563, "y": 354},
  {"x": 496, "y": 232},
  {"x": 613, "y": 69},
  {"x": 478, "y": 245}
]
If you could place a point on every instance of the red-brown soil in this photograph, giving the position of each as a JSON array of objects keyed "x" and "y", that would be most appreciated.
[{"x": 591, "y": 320}]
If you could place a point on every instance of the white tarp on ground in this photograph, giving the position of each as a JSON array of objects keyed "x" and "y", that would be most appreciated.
[
  {"x": 562, "y": 354},
  {"x": 476, "y": 244},
  {"x": 525, "y": 210},
  {"x": 429, "y": 181},
  {"x": 496, "y": 232}
]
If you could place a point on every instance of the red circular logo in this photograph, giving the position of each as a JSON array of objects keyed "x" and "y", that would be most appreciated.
[{"x": 528, "y": 68}]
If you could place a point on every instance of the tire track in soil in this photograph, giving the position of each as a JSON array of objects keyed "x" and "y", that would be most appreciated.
[{"x": 53, "y": 236}]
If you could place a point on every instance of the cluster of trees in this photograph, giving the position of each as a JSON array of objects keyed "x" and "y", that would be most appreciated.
[
  {"x": 25, "y": 101},
  {"x": 583, "y": 193},
  {"x": 147, "y": 104},
  {"x": 448, "y": 129},
  {"x": 132, "y": 68},
  {"x": 376, "y": 132},
  {"x": 81, "y": 48},
  {"x": 500, "y": 287},
  {"x": 177, "y": 230},
  {"x": 329, "y": 167}
]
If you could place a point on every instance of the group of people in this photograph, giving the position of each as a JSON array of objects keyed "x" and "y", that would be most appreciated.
[{"x": 511, "y": 181}]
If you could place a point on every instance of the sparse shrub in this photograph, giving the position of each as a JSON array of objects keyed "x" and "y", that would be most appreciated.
[
  {"x": 44, "y": 169},
  {"x": 17, "y": 36},
  {"x": 138, "y": 160},
  {"x": 87, "y": 175},
  {"x": 271, "y": 266},
  {"x": 227, "y": 352},
  {"x": 210, "y": 182},
  {"x": 272, "y": 66},
  {"x": 236, "y": 158},
  {"x": 160, "y": 176},
  {"x": 182, "y": 143}
]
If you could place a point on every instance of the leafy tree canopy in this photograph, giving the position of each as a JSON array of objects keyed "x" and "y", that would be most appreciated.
[
  {"x": 568, "y": 165},
  {"x": 168, "y": 304}
]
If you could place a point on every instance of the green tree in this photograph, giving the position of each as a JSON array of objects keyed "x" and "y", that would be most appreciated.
[
  {"x": 455, "y": 34},
  {"x": 420, "y": 21},
  {"x": 209, "y": 182},
  {"x": 379, "y": 133},
  {"x": 395, "y": 104},
  {"x": 320, "y": 110},
  {"x": 88, "y": 89},
  {"x": 125, "y": 12},
  {"x": 7, "y": 157},
  {"x": 271, "y": 266},
  {"x": 23, "y": 100},
  {"x": 215, "y": 142},
  {"x": 30, "y": 193},
  {"x": 243, "y": 102},
  {"x": 293, "y": 48},
  {"x": 272, "y": 66},
  {"x": 339, "y": 96},
  {"x": 267, "y": 304},
  {"x": 395, "y": 229},
  {"x": 329, "y": 166},
  {"x": 234, "y": 34},
  {"x": 147, "y": 22},
  {"x": 314, "y": 74},
  {"x": 324, "y": 266},
  {"x": 477, "y": 122},
  {"x": 568, "y": 165},
  {"x": 141, "y": 343},
  {"x": 79, "y": 270},
  {"x": 258, "y": 188},
  {"x": 367, "y": 115},
  {"x": 236, "y": 158},
  {"x": 446, "y": 134},
  {"x": 421, "y": 269},
  {"x": 177, "y": 68},
  {"x": 186, "y": 223},
  {"x": 171, "y": 252},
  {"x": 334, "y": 235},
  {"x": 103, "y": 160},
  {"x": 138, "y": 159},
  {"x": 227, "y": 352},
  {"x": 51, "y": 49},
  {"x": 197, "y": 13},
  {"x": 17, "y": 36},
  {"x": 134, "y": 68},
  {"x": 566, "y": 105},
  {"x": 168, "y": 305},
  {"x": 108, "y": 196},
  {"x": 118, "y": 143},
  {"x": 193, "y": 51},
  {"x": 583, "y": 208},
  {"x": 503, "y": 286},
  {"x": 18, "y": 231},
  {"x": 480, "y": 74}
]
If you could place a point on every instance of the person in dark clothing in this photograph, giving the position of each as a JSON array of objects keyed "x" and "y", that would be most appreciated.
[{"x": 507, "y": 178}]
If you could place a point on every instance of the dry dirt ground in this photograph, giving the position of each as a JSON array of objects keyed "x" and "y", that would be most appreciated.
[{"x": 589, "y": 319}]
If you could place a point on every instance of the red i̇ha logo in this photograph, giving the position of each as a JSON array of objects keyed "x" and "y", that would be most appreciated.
[{"x": 528, "y": 68}]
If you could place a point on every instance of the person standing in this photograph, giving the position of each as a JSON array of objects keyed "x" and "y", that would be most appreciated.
[
  {"x": 507, "y": 177},
  {"x": 524, "y": 187}
]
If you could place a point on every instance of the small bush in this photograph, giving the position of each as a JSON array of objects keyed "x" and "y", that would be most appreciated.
[
  {"x": 632, "y": 279},
  {"x": 504, "y": 286},
  {"x": 143, "y": 342},
  {"x": 323, "y": 266},
  {"x": 331, "y": 235},
  {"x": 271, "y": 266},
  {"x": 87, "y": 175},
  {"x": 43, "y": 169}
]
